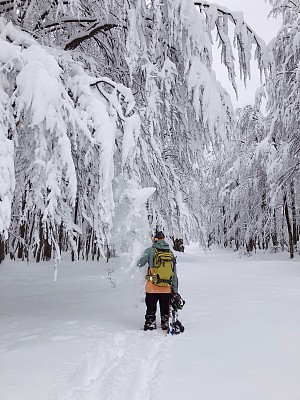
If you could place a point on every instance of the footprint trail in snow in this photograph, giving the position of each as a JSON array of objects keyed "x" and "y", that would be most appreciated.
[{"x": 121, "y": 366}]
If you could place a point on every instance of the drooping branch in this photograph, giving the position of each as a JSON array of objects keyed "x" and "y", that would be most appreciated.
[
  {"x": 244, "y": 38},
  {"x": 123, "y": 102},
  {"x": 6, "y": 5},
  {"x": 230, "y": 14},
  {"x": 76, "y": 41}
]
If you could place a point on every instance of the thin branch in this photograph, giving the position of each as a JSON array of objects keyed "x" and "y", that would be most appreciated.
[
  {"x": 65, "y": 21},
  {"x": 224, "y": 11},
  {"x": 4, "y": 2},
  {"x": 6, "y": 5}
]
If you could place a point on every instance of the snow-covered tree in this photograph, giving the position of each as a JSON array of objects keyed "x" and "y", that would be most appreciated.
[
  {"x": 283, "y": 89},
  {"x": 62, "y": 123},
  {"x": 259, "y": 201},
  {"x": 284, "y": 110},
  {"x": 103, "y": 95}
]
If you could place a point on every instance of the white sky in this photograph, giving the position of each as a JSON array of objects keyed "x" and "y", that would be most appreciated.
[{"x": 256, "y": 16}]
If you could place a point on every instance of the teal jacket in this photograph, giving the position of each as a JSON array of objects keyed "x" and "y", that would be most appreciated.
[{"x": 148, "y": 256}]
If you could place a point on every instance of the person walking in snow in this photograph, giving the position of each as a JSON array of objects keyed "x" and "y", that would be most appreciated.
[{"x": 161, "y": 279}]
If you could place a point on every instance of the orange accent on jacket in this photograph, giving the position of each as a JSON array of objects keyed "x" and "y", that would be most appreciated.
[{"x": 151, "y": 288}]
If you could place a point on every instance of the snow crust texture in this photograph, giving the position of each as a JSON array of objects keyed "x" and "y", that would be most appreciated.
[
  {"x": 125, "y": 365},
  {"x": 79, "y": 338}
]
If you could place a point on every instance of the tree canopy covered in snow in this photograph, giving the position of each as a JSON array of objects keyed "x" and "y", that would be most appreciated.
[
  {"x": 261, "y": 184},
  {"x": 112, "y": 122}
]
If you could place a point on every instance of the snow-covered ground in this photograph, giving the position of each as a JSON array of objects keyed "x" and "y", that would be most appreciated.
[{"x": 80, "y": 338}]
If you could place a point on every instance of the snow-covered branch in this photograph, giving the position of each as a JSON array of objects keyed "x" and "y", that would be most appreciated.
[
  {"x": 64, "y": 133},
  {"x": 76, "y": 40},
  {"x": 6, "y": 5},
  {"x": 244, "y": 37},
  {"x": 234, "y": 17}
]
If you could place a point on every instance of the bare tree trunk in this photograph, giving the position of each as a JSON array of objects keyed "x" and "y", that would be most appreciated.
[
  {"x": 21, "y": 245},
  {"x": 274, "y": 233},
  {"x": 289, "y": 227},
  {"x": 61, "y": 237},
  {"x": 47, "y": 253},
  {"x": 78, "y": 247},
  {"x": 225, "y": 241},
  {"x": 2, "y": 248},
  {"x": 294, "y": 215},
  {"x": 263, "y": 243},
  {"x": 31, "y": 233},
  {"x": 40, "y": 245},
  {"x": 88, "y": 244},
  {"x": 93, "y": 246},
  {"x": 75, "y": 222}
]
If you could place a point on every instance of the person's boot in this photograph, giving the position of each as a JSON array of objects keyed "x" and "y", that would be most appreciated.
[
  {"x": 164, "y": 322},
  {"x": 150, "y": 323}
]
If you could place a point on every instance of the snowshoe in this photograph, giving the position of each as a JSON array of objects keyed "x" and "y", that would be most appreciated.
[{"x": 175, "y": 326}]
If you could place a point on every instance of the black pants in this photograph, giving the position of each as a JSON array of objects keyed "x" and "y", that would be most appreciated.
[{"x": 151, "y": 303}]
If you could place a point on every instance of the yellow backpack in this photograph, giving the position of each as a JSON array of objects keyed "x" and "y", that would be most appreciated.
[{"x": 162, "y": 272}]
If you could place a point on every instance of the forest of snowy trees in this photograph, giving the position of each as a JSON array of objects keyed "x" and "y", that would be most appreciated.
[{"x": 113, "y": 122}]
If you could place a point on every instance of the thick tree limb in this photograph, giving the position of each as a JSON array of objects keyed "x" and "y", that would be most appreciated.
[{"x": 82, "y": 36}]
